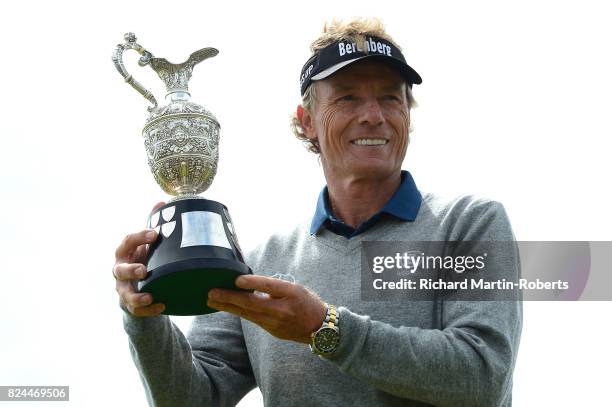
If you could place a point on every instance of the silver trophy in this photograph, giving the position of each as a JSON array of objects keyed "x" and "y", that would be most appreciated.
[{"x": 197, "y": 248}]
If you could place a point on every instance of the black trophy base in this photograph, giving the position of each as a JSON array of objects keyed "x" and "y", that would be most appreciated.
[
  {"x": 183, "y": 288},
  {"x": 196, "y": 250}
]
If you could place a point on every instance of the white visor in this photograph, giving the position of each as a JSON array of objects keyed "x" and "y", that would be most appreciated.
[{"x": 324, "y": 74}]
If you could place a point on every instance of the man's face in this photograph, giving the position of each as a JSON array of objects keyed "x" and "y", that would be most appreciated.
[{"x": 360, "y": 119}]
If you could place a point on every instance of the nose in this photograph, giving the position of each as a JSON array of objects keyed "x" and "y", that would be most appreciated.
[{"x": 371, "y": 112}]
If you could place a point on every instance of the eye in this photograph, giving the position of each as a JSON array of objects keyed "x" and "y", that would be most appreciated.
[
  {"x": 392, "y": 97},
  {"x": 346, "y": 98}
]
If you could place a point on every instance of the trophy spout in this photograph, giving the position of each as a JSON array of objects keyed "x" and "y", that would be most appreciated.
[{"x": 177, "y": 76}]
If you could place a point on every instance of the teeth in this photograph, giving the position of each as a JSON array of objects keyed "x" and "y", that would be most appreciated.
[{"x": 370, "y": 141}]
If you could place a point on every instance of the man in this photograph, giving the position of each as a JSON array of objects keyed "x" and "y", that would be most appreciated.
[{"x": 314, "y": 341}]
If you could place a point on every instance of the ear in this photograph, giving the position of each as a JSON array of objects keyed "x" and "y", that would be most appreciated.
[{"x": 306, "y": 121}]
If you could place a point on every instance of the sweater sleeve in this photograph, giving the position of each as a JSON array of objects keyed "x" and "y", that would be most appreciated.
[
  {"x": 469, "y": 362},
  {"x": 208, "y": 367}
]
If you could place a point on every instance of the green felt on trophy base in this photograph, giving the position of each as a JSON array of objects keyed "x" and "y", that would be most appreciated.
[{"x": 186, "y": 292}]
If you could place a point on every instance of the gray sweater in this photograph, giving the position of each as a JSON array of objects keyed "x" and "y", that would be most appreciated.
[{"x": 412, "y": 353}]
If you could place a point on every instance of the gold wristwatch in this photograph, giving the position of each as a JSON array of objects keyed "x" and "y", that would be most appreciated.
[{"x": 325, "y": 340}]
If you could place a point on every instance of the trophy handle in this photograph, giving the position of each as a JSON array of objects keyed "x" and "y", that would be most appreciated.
[{"x": 130, "y": 43}]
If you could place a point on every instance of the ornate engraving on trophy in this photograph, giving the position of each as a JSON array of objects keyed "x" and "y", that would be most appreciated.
[{"x": 182, "y": 137}]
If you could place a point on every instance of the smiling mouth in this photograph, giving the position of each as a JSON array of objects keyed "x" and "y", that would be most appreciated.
[{"x": 370, "y": 141}]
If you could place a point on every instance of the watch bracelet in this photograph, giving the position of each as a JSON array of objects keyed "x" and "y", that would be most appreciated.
[{"x": 331, "y": 315}]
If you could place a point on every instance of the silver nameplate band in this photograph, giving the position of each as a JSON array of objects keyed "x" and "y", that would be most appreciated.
[{"x": 203, "y": 228}]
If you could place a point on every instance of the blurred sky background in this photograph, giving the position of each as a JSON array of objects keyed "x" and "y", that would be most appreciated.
[{"x": 514, "y": 106}]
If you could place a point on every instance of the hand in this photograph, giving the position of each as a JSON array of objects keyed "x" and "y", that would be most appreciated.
[
  {"x": 286, "y": 310},
  {"x": 129, "y": 268}
]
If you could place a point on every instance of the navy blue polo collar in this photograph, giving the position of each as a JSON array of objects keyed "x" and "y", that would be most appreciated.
[{"x": 404, "y": 204}]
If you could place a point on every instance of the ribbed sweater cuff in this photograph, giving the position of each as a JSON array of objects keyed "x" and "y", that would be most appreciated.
[
  {"x": 135, "y": 326},
  {"x": 353, "y": 332}
]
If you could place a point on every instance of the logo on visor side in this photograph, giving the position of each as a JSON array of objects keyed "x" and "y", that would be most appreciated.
[{"x": 306, "y": 73}]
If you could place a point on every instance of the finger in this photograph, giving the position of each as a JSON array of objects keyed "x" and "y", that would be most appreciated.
[
  {"x": 140, "y": 254},
  {"x": 133, "y": 240},
  {"x": 263, "y": 320},
  {"x": 272, "y": 286},
  {"x": 251, "y": 301},
  {"x": 129, "y": 271},
  {"x": 149, "y": 311},
  {"x": 131, "y": 298}
]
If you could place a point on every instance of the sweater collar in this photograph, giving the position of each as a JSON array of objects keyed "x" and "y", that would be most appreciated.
[{"x": 404, "y": 205}]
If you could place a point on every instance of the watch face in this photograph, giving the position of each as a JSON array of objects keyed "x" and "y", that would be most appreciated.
[{"x": 326, "y": 339}]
